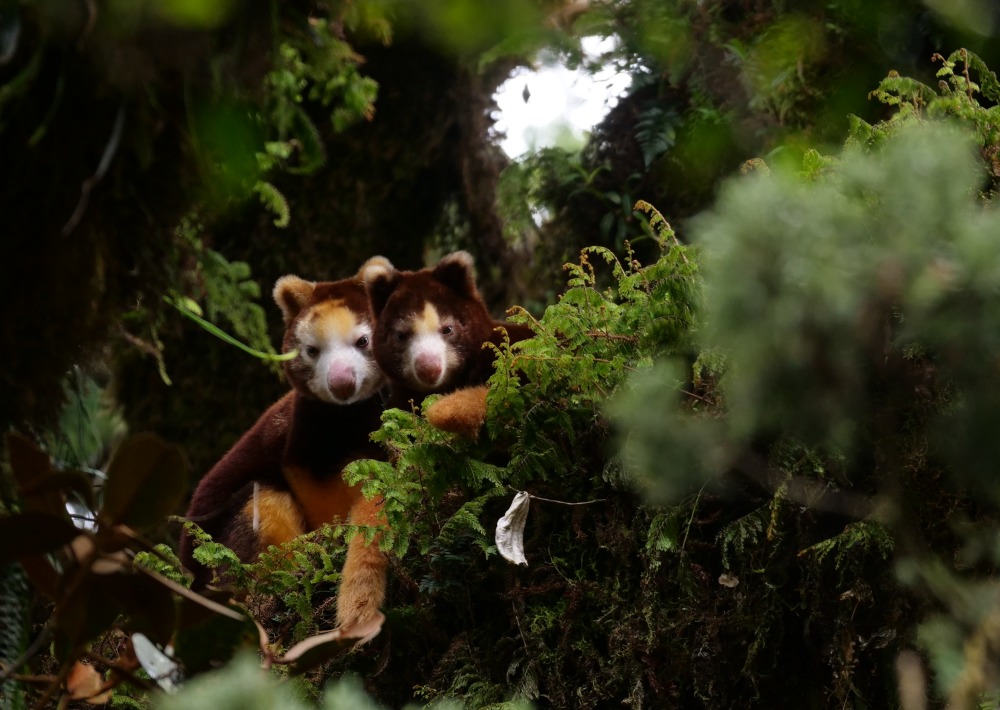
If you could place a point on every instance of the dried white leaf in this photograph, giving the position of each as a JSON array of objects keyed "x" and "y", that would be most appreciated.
[
  {"x": 510, "y": 530},
  {"x": 160, "y": 667}
]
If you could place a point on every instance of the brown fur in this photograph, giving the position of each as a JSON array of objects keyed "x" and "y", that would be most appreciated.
[
  {"x": 296, "y": 452},
  {"x": 461, "y": 412},
  {"x": 401, "y": 297}
]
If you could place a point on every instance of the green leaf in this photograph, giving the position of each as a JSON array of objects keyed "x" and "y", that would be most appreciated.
[
  {"x": 222, "y": 335},
  {"x": 146, "y": 480}
]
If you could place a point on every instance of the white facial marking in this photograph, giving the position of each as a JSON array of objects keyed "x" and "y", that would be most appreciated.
[
  {"x": 431, "y": 359},
  {"x": 428, "y": 362},
  {"x": 342, "y": 372},
  {"x": 428, "y": 322}
]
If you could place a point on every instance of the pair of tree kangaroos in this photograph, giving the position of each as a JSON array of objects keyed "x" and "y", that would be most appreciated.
[{"x": 412, "y": 332}]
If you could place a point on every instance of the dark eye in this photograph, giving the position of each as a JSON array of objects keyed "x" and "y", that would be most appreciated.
[
  {"x": 362, "y": 342},
  {"x": 312, "y": 351},
  {"x": 447, "y": 330},
  {"x": 400, "y": 336}
]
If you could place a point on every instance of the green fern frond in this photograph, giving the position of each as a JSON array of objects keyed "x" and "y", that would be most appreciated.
[
  {"x": 662, "y": 230},
  {"x": 468, "y": 519},
  {"x": 864, "y": 536},
  {"x": 273, "y": 200},
  {"x": 737, "y": 537},
  {"x": 664, "y": 534},
  {"x": 164, "y": 562},
  {"x": 229, "y": 293}
]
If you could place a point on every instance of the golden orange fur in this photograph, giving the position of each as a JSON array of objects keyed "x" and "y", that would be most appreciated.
[
  {"x": 461, "y": 412},
  {"x": 277, "y": 516},
  {"x": 362, "y": 585}
]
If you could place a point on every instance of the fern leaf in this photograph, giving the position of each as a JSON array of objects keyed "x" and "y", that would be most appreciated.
[
  {"x": 274, "y": 201},
  {"x": 743, "y": 533}
]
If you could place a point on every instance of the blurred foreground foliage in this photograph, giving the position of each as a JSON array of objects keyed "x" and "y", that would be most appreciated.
[{"x": 852, "y": 306}]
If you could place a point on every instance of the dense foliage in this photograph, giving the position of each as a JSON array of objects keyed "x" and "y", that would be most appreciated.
[{"x": 759, "y": 450}]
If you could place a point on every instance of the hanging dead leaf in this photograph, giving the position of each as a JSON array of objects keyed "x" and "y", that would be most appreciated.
[{"x": 510, "y": 530}]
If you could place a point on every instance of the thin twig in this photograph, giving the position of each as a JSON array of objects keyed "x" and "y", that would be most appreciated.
[
  {"x": 562, "y": 502},
  {"x": 94, "y": 180},
  {"x": 694, "y": 509},
  {"x": 139, "y": 343},
  {"x": 698, "y": 396},
  {"x": 520, "y": 631},
  {"x": 193, "y": 596}
]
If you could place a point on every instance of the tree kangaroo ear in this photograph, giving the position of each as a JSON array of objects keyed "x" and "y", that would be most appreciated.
[
  {"x": 376, "y": 266},
  {"x": 457, "y": 272},
  {"x": 380, "y": 287},
  {"x": 291, "y": 294}
]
